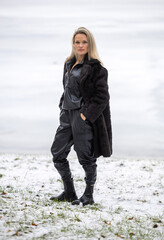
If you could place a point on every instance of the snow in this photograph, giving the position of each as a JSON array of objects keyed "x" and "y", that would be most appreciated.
[{"x": 129, "y": 198}]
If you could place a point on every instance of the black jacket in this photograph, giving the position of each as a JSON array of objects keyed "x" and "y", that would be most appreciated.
[{"x": 94, "y": 90}]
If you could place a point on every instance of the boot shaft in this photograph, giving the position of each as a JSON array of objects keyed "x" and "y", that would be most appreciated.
[
  {"x": 89, "y": 191},
  {"x": 69, "y": 186},
  {"x": 69, "y": 193}
]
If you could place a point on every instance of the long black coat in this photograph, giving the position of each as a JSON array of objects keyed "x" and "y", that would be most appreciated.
[{"x": 94, "y": 90}]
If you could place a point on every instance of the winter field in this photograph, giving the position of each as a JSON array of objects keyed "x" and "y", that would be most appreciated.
[{"x": 129, "y": 197}]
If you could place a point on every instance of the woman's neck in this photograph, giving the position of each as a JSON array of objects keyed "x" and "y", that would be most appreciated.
[{"x": 79, "y": 59}]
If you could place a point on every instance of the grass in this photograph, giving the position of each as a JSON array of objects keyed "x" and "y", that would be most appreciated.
[
  {"x": 24, "y": 220},
  {"x": 27, "y": 213}
]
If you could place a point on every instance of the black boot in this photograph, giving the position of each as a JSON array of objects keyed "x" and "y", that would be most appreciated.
[
  {"x": 87, "y": 197},
  {"x": 69, "y": 193},
  {"x": 90, "y": 179}
]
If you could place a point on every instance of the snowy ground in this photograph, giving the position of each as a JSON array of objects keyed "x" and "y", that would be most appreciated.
[{"x": 129, "y": 197}]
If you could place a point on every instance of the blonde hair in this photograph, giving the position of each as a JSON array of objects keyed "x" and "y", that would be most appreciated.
[{"x": 92, "y": 49}]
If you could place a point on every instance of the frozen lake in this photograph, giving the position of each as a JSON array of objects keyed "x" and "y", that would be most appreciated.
[{"x": 35, "y": 39}]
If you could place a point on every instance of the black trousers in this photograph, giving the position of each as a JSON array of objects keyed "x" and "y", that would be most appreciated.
[{"x": 73, "y": 130}]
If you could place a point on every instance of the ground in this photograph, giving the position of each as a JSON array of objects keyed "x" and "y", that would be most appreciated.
[{"x": 129, "y": 200}]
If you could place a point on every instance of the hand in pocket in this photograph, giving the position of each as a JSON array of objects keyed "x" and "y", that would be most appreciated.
[{"x": 82, "y": 116}]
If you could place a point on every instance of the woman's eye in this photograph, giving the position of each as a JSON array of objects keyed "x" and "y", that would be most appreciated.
[{"x": 84, "y": 42}]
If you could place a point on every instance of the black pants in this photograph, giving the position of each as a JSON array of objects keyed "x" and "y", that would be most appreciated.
[{"x": 74, "y": 131}]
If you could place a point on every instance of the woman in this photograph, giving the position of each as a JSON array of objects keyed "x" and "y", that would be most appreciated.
[{"x": 85, "y": 116}]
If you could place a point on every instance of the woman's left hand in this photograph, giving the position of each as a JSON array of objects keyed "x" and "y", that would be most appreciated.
[{"x": 82, "y": 116}]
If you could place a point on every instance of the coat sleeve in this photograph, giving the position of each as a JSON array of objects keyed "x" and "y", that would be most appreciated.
[{"x": 100, "y": 99}]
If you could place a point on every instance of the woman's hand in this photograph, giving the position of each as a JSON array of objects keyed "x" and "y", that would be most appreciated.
[{"x": 82, "y": 116}]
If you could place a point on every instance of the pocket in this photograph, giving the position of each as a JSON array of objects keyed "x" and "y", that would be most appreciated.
[{"x": 84, "y": 123}]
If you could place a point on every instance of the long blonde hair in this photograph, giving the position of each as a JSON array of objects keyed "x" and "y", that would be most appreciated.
[{"x": 92, "y": 49}]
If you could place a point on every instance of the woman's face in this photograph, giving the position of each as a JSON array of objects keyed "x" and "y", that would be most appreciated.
[{"x": 81, "y": 44}]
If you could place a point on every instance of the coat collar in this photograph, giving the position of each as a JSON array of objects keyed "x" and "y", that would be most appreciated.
[
  {"x": 92, "y": 61},
  {"x": 72, "y": 61},
  {"x": 84, "y": 61}
]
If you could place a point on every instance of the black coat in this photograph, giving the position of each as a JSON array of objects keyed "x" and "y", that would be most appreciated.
[{"x": 94, "y": 90}]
